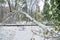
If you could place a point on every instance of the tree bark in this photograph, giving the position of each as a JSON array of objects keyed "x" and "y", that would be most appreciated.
[
  {"x": 9, "y": 5},
  {"x": 1, "y": 14}
]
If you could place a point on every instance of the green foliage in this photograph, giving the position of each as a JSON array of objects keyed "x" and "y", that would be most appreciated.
[
  {"x": 32, "y": 38},
  {"x": 37, "y": 17},
  {"x": 51, "y": 11},
  {"x": 2, "y": 1},
  {"x": 46, "y": 11}
]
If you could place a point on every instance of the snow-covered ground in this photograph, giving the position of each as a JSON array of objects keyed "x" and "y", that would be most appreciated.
[
  {"x": 15, "y": 33},
  {"x": 19, "y": 33}
]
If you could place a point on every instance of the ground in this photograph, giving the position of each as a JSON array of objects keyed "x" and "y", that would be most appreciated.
[{"x": 19, "y": 33}]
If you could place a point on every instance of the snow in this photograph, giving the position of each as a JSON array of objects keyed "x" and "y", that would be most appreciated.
[{"x": 18, "y": 33}]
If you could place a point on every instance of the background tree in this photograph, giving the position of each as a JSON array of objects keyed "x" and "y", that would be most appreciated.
[
  {"x": 9, "y": 5},
  {"x": 51, "y": 12},
  {"x": 1, "y": 10}
]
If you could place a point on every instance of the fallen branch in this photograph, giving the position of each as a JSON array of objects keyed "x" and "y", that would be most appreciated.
[{"x": 33, "y": 20}]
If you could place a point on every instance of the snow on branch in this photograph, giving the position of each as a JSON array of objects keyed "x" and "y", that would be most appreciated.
[
  {"x": 28, "y": 16},
  {"x": 36, "y": 22}
]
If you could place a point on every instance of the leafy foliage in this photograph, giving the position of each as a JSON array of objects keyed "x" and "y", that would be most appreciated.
[
  {"x": 2, "y": 1},
  {"x": 51, "y": 12}
]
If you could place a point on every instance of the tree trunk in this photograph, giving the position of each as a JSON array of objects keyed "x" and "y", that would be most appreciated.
[
  {"x": 9, "y": 5},
  {"x": 15, "y": 4},
  {"x": 1, "y": 14}
]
